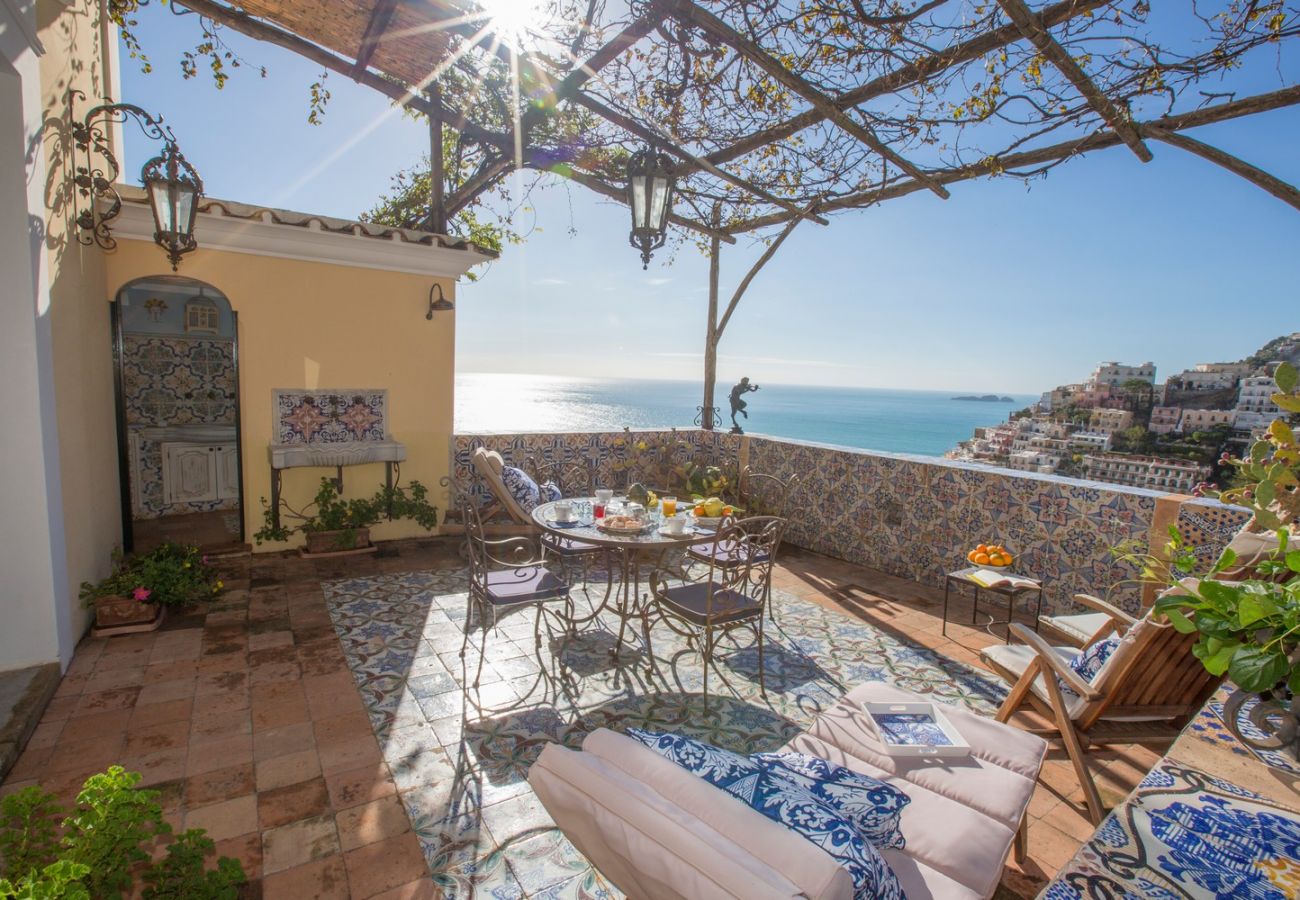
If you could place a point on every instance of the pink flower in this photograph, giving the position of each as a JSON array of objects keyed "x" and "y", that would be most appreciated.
[
  {"x": 141, "y": 593},
  {"x": 205, "y": 559}
]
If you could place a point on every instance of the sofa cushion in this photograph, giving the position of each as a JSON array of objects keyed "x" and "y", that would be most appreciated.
[
  {"x": 785, "y": 802},
  {"x": 521, "y": 487},
  {"x": 647, "y": 845},
  {"x": 549, "y": 492},
  {"x": 814, "y": 873},
  {"x": 870, "y": 804}
]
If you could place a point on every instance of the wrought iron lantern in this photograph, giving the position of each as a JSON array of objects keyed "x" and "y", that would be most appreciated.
[
  {"x": 174, "y": 190},
  {"x": 650, "y": 182},
  {"x": 172, "y": 184}
]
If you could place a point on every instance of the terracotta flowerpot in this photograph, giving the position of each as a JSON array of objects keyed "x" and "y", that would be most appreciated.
[
  {"x": 341, "y": 541},
  {"x": 125, "y": 615}
]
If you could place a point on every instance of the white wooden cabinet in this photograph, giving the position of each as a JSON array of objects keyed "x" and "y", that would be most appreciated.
[{"x": 197, "y": 473}]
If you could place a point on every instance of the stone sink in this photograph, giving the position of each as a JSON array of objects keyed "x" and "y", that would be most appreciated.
[{"x": 349, "y": 453}]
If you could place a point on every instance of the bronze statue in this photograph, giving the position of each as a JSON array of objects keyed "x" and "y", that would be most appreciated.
[{"x": 738, "y": 405}]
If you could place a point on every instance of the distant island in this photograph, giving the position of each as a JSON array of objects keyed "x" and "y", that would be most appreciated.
[{"x": 986, "y": 398}]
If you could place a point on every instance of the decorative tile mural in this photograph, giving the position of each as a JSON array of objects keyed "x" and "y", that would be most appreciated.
[
  {"x": 331, "y": 416},
  {"x": 173, "y": 380},
  {"x": 911, "y": 516},
  {"x": 1208, "y": 525}
]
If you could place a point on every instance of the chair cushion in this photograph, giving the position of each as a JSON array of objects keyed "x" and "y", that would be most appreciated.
[
  {"x": 1079, "y": 627},
  {"x": 521, "y": 487},
  {"x": 696, "y": 801},
  {"x": 727, "y": 552},
  {"x": 785, "y": 802},
  {"x": 568, "y": 546},
  {"x": 1014, "y": 659},
  {"x": 528, "y": 584},
  {"x": 691, "y": 601},
  {"x": 1088, "y": 663},
  {"x": 644, "y": 838},
  {"x": 870, "y": 804}
]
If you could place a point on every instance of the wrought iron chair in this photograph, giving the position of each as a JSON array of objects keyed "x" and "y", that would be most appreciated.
[
  {"x": 731, "y": 597},
  {"x": 761, "y": 494},
  {"x": 504, "y": 576}
]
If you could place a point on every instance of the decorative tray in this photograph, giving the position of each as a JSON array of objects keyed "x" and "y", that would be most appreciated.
[
  {"x": 623, "y": 525},
  {"x": 915, "y": 729}
]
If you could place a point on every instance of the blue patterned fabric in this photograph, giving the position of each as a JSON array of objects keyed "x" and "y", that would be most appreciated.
[
  {"x": 872, "y": 806},
  {"x": 786, "y": 802},
  {"x": 1088, "y": 663},
  {"x": 549, "y": 492},
  {"x": 525, "y": 491}
]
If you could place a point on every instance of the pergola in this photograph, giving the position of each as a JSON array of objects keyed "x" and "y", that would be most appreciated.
[{"x": 776, "y": 113}]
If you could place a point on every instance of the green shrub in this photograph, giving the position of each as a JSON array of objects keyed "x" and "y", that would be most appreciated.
[
  {"x": 328, "y": 511},
  {"x": 172, "y": 574}
]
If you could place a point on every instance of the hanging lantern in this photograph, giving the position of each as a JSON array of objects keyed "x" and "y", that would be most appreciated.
[
  {"x": 650, "y": 194},
  {"x": 174, "y": 191}
]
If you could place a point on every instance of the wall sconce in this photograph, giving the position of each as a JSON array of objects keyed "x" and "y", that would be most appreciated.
[
  {"x": 442, "y": 304},
  {"x": 173, "y": 186}
]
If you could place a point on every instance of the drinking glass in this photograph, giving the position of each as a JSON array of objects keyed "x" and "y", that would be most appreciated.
[
  {"x": 598, "y": 509},
  {"x": 669, "y": 507}
]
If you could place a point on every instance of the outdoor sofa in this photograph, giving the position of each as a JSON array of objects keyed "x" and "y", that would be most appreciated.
[{"x": 655, "y": 830}]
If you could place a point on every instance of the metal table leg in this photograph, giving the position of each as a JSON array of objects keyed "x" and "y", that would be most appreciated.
[{"x": 947, "y": 586}]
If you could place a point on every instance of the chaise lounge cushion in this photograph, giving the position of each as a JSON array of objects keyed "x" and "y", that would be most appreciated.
[{"x": 657, "y": 831}]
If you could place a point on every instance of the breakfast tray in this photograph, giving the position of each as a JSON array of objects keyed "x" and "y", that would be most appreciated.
[{"x": 915, "y": 729}]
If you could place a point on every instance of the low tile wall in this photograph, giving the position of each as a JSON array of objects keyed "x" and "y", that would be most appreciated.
[{"x": 912, "y": 516}]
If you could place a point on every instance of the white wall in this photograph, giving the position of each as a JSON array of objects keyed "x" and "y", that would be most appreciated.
[{"x": 33, "y": 570}]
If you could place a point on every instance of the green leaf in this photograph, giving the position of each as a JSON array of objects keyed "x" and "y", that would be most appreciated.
[
  {"x": 1294, "y": 681},
  {"x": 1293, "y": 560},
  {"x": 1286, "y": 377},
  {"x": 1256, "y": 669},
  {"x": 1264, "y": 493},
  {"x": 1218, "y": 662},
  {"x": 1288, "y": 402},
  {"x": 1255, "y": 608},
  {"x": 1181, "y": 623}
]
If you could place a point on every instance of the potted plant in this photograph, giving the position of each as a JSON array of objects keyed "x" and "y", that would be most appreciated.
[
  {"x": 140, "y": 587},
  {"x": 331, "y": 524},
  {"x": 1247, "y": 612}
]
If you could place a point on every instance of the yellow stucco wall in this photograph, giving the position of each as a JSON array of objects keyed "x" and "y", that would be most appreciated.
[
  {"x": 73, "y": 35},
  {"x": 318, "y": 325}
]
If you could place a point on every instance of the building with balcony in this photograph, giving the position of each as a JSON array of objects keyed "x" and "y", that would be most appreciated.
[
  {"x": 1164, "y": 419},
  {"x": 1151, "y": 472},
  {"x": 1114, "y": 374},
  {"x": 1110, "y": 420},
  {"x": 1204, "y": 419}
]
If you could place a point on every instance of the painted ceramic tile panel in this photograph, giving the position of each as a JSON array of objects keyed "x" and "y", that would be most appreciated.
[
  {"x": 330, "y": 416},
  {"x": 1208, "y": 525}
]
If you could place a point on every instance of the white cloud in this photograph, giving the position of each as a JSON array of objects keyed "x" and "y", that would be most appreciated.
[{"x": 550, "y": 281}]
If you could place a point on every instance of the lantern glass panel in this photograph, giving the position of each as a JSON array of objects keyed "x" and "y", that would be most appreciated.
[
  {"x": 659, "y": 203},
  {"x": 639, "y": 202}
]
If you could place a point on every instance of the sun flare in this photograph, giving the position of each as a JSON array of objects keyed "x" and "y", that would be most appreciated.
[{"x": 517, "y": 23}]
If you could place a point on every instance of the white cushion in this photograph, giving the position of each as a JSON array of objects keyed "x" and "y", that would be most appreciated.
[
  {"x": 1078, "y": 627},
  {"x": 1015, "y": 659}
]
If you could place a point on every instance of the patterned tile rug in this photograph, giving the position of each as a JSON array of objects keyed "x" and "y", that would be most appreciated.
[{"x": 460, "y": 759}]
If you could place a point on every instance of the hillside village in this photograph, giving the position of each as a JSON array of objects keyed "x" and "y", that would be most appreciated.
[{"x": 1120, "y": 426}]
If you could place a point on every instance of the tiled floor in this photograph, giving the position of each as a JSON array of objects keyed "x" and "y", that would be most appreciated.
[{"x": 248, "y": 719}]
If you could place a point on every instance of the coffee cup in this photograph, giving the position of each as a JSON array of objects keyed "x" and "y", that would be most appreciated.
[
  {"x": 563, "y": 511},
  {"x": 675, "y": 525}
]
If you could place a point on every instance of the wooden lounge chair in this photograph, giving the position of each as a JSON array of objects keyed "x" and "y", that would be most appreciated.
[{"x": 1145, "y": 693}]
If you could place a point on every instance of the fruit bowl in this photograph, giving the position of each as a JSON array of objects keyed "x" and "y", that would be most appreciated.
[{"x": 991, "y": 556}]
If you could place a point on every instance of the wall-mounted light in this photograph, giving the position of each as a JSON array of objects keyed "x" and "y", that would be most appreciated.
[
  {"x": 442, "y": 304},
  {"x": 173, "y": 186}
]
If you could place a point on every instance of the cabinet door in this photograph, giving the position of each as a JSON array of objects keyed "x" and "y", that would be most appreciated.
[
  {"x": 227, "y": 472},
  {"x": 189, "y": 473}
]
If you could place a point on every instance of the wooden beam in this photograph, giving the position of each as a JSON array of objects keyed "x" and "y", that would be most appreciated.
[
  {"x": 796, "y": 83},
  {"x": 1058, "y": 56},
  {"x": 1208, "y": 115},
  {"x": 906, "y": 76},
  {"x": 488, "y": 174},
  {"x": 631, "y": 125},
  {"x": 437, "y": 177},
  {"x": 399, "y": 92},
  {"x": 1280, "y": 189},
  {"x": 711, "y": 323},
  {"x": 376, "y": 25}
]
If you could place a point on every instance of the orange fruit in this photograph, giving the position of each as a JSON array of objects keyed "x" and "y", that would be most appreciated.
[
  {"x": 971, "y": 556},
  {"x": 982, "y": 548},
  {"x": 1010, "y": 559},
  {"x": 981, "y": 559}
]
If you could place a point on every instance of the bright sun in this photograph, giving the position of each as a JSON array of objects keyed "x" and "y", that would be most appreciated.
[{"x": 516, "y": 22}]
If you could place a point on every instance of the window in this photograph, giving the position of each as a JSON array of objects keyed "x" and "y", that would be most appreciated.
[{"x": 202, "y": 316}]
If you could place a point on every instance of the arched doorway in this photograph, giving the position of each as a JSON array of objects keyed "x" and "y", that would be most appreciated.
[{"x": 176, "y": 360}]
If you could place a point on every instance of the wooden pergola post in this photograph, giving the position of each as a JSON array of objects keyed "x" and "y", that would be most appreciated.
[
  {"x": 437, "y": 208},
  {"x": 711, "y": 327}
]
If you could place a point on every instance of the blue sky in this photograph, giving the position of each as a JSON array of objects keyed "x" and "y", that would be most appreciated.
[{"x": 1000, "y": 288}]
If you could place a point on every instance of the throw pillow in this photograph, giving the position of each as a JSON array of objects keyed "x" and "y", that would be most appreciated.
[
  {"x": 785, "y": 802},
  {"x": 1088, "y": 663},
  {"x": 521, "y": 487},
  {"x": 873, "y": 806},
  {"x": 549, "y": 492}
]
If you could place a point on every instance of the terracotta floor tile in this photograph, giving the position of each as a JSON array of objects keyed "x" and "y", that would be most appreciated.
[
  {"x": 351, "y": 754},
  {"x": 374, "y": 821},
  {"x": 152, "y": 738},
  {"x": 31, "y": 763},
  {"x": 269, "y": 640},
  {"x": 361, "y": 785},
  {"x": 222, "y": 703},
  {"x": 220, "y": 683},
  {"x": 280, "y": 713},
  {"x": 157, "y": 767},
  {"x": 299, "y": 843},
  {"x": 89, "y": 704},
  {"x": 273, "y": 672},
  {"x": 209, "y": 787},
  {"x": 281, "y": 740},
  {"x": 420, "y": 889},
  {"x": 337, "y": 729},
  {"x": 166, "y": 691},
  {"x": 219, "y": 754},
  {"x": 226, "y": 819},
  {"x": 384, "y": 865},
  {"x": 161, "y": 713},
  {"x": 247, "y": 848},
  {"x": 303, "y": 800},
  {"x": 170, "y": 670},
  {"x": 108, "y": 679},
  {"x": 209, "y": 724},
  {"x": 290, "y": 768},
  {"x": 277, "y": 693},
  {"x": 60, "y": 708},
  {"x": 84, "y": 728},
  {"x": 46, "y": 734},
  {"x": 323, "y": 878},
  {"x": 89, "y": 756}
]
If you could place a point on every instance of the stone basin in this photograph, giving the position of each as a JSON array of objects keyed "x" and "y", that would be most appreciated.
[
  {"x": 190, "y": 434},
  {"x": 351, "y": 453}
]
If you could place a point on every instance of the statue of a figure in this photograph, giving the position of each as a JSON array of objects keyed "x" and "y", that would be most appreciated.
[{"x": 738, "y": 404}]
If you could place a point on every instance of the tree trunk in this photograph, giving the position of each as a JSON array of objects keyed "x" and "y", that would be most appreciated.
[{"x": 711, "y": 333}]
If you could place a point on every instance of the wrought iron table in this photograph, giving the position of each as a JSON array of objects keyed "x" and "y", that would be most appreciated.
[
  {"x": 629, "y": 548},
  {"x": 1012, "y": 593}
]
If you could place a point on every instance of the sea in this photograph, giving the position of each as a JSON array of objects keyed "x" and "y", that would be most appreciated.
[{"x": 927, "y": 423}]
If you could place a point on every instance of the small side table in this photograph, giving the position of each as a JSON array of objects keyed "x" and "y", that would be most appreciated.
[{"x": 961, "y": 576}]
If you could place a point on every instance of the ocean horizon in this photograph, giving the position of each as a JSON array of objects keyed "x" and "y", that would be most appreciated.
[{"x": 927, "y": 423}]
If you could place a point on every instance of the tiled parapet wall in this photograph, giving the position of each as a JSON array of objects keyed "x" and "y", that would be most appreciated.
[
  {"x": 617, "y": 458},
  {"x": 916, "y": 516}
]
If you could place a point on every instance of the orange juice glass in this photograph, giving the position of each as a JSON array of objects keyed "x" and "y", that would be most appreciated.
[{"x": 669, "y": 507}]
